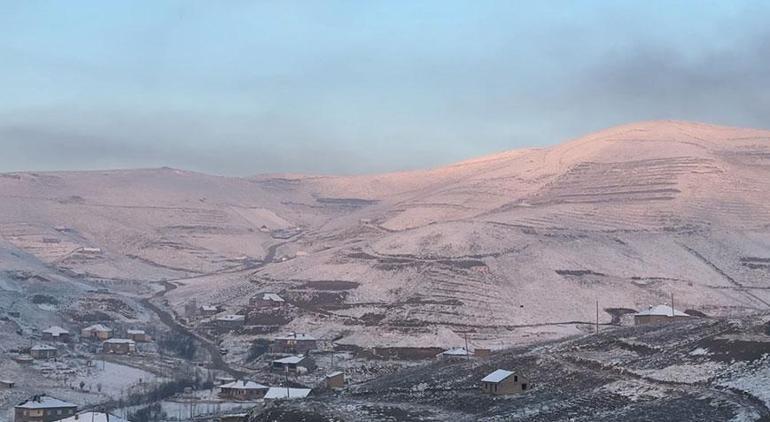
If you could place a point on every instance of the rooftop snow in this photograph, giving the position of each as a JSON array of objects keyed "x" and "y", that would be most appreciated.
[
  {"x": 119, "y": 341},
  {"x": 97, "y": 327},
  {"x": 272, "y": 297},
  {"x": 290, "y": 359},
  {"x": 43, "y": 347},
  {"x": 44, "y": 402},
  {"x": 231, "y": 318},
  {"x": 56, "y": 330},
  {"x": 94, "y": 417},
  {"x": 334, "y": 374},
  {"x": 662, "y": 310},
  {"x": 455, "y": 351},
  {"x": 135, "y": 331},
  {"x": 245, "y": 385},
  {"x": 497, "y": 376},
  {"x": 296, "y": 336},
  {"x": 287, "y": 393}
]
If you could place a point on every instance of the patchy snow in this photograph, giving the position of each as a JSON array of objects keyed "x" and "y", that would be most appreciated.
[{"x": 685, "y": 373}]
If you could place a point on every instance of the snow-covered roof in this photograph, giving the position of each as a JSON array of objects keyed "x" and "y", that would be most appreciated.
[
  {"x": 290, "y": 359},
  {"x": 209, "y": 308},
  {"x": 662, "y": 310},
  {"x": 272, "y": 297},
  {"x": 334, "y": 374},
  {"x": 94, "y": 417},
  {"x": 287, "y": 393},
  {"x": 497, "y": 376},
  {"x": 296, "y": 336},
  {"x": 42, "y": 347},
  {"x": 245, "y": 385},
  {"x": 56, "y": 331},
  {"x": 455, "y": 351},
  {"x": 44, "y": 402},
  {"x": 231, "y": 318},
  {"x": 97, "y": 327},
  {"x": 119, "y": 341},
  {"x": 135, "y": 331}
]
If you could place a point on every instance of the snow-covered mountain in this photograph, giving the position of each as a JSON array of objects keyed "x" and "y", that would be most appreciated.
[{"x": 517, "y": 245}]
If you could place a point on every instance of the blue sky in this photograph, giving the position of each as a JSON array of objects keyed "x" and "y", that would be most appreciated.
[{"x": 245, "y": 87}]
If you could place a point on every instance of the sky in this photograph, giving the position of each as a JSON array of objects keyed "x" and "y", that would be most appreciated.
[{"x": 240, "y": 87}]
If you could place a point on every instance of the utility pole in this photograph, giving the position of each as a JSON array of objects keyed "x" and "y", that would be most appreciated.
[
  {"x": 467, "y": 352},
  {"x": 597, "y": 316},
  {"x": 288, "y": 392}
]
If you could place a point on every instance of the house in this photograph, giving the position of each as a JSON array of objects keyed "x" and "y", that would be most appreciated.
[
  {"x": 264, "y": 300},
  {"x": 502, "y": 382},
  {"x": 230, "y": 322},
  {"x": 293, "y": 364},
  {"x": 209, "y": 310},
  {"x": 119, "y": 346},
  {"x": 234, "y": 417},
  {"x": 286, "y": 393},
  {"x": 56, "y": 333},
  {"x": 138, "y": 336},
  {"x": 294, "y": 343},
  {"x": 94, "y": 417},
  {"x": 335, "y": 379},
  {"x": 43, "y": 409},
  {"x": 454, "y": 353},
  {"x": 97, "y": 331},
  {"x": 7, "y": 384},
  {"x": 242, "y": 390},
  {"x": 660, "y": 314},
  {"x": 43, "y": 351}
]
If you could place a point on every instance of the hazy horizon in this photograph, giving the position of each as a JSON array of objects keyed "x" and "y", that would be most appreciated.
[{"x": 347, "y": 88}]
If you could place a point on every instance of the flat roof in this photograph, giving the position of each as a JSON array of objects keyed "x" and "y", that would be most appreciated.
[
  {"x": 245, "y": 385},
  {"x": 497, "y": 376},
  {"x": 661, "y": 310},
  {"x": 287, "y": 393},
  {"x": 44, "y": 402},
  {"x": 290, "y": 359},
  {"x": 296, "y": 336}
]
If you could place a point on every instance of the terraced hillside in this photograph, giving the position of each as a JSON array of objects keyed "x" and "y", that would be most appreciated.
[{"x": 509, "y": 248}]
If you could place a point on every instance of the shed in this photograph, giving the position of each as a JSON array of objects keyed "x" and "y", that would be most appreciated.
[
  {"x": 119, "y": 346},
  {"x": 335, "y": 379},
  {"x": 5, "y": 383},
  {"x": 242, "y": 390},
  {"x": 660, "y": 314},
  {"x": 139, "y": 336},
  {"x": 502, "y": 382},
  {"x": 56, "y": 333},
  {"x": 43, "y": 351}
]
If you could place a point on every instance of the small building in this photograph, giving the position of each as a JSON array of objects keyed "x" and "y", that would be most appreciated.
[
  {"x": 4, "y": 383},
  {"x": 43, "y": 409},
  {"x": 660, "y": 314},
  {"x": 454, "y": 354},
  {"x": 221, "y": 380},
  {"x": 209, "y": 310},
  {"x": 138, "y": 336},
  {"x": 242, "y": 390},
  {"x": 97, "y": 331},
  {"x": 24, "y": 359},
  {"x": 119, "y": 346},
  {"x": 285, "y": 393},
  {"x": 482, "y": 352},
  {"x": 264, "y": 300},
  {"x": 94, "y": 417},
  {"x": 56, "y": 333},
  {"x": 234, "y": 417},
  {"x": 502, "y": 382},
  {"x": 230, "y": 322},
  {"x": 335, "y": 379},
  {"x": 294, "y": 343},
  {"x": 43, "y": 351},
  {"x": 293, "y": 364}
]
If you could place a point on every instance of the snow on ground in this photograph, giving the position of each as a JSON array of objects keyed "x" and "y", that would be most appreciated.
[{"x": 685, "y": 373}]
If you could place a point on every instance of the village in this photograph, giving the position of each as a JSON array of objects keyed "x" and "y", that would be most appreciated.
[{"x": 142, "y": 381}]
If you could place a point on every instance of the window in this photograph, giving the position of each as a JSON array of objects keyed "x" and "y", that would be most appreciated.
[
  {"x": 515, "y": 378},
  {"x": 524, "y": 387}
]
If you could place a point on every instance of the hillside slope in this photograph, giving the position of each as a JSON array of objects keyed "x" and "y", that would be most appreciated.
[{"x": 506, "y": 248}]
